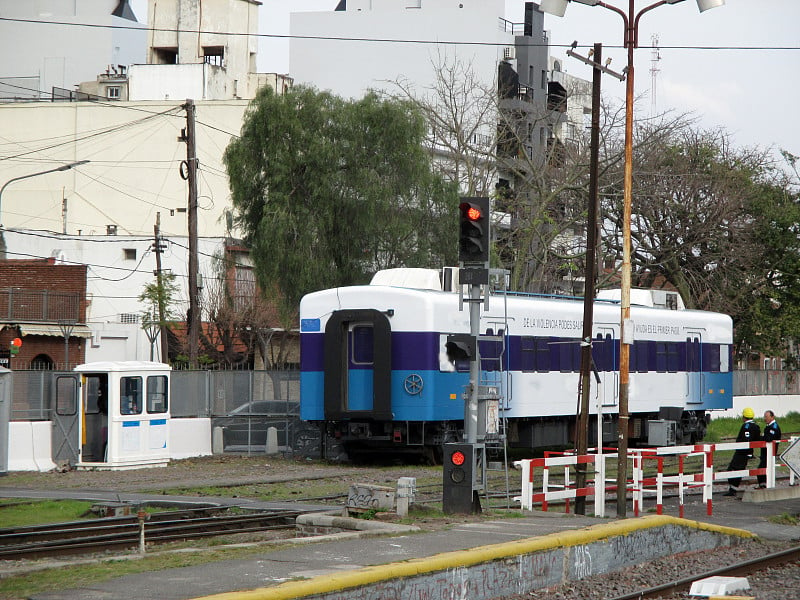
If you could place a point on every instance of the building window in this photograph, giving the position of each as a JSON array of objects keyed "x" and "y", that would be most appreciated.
[
  {"x": 113, "y": 92},
  {"x": 214, "y": 55},
  {"x": 130, "y": 253},
  {"x": 128, "y": 318}
]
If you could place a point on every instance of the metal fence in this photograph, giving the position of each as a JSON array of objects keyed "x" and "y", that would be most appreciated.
[
  {"x": 766, "y": 383},
  {"x": 192, "y": 393},
  {"x": 255, "y": 394}
]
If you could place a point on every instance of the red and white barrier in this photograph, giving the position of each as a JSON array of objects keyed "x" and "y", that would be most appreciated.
[{"x": 695, "y": 470}]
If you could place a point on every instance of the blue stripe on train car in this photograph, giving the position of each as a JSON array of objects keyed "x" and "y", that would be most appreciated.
[{"x": 439, "y": 399}]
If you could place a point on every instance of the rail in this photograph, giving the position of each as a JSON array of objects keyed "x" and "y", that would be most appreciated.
[{"x": 695, "y": 469}]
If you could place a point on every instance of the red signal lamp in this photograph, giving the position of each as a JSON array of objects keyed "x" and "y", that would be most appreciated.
[
  {"x": 471, "y": 212},
  {"x": 458, "y": 458}
]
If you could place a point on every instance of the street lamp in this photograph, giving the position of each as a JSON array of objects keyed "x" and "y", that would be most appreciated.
[
  {"x": 631, "y": 23},
  {"x": 66, "y": 167}
]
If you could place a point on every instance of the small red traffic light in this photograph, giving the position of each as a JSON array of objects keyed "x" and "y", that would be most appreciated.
[
  {"x": 457, "y": 458},
  {"x": 16, "y": 342},
  {"x": 471, "y": 212}
]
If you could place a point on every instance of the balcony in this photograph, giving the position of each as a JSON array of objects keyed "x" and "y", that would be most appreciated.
[{"x": 33, "y": 306}]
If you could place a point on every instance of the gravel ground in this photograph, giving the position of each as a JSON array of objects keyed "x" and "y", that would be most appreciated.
[{"x": 776, "y": 583}]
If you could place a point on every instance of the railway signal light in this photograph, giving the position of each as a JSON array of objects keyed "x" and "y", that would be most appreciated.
[
  {"x": 460, "y": 347},
  {"x": 458, "y": 493},
  {"x": 473, "y": 243}
]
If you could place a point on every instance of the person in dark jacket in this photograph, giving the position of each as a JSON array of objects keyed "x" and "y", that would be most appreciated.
[
  {"x": 748, "y": 432},
  {"x": 772, "y": 433}
]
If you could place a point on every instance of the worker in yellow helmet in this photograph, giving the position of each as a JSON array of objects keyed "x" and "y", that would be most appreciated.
[{"x": 748, "y": 432}]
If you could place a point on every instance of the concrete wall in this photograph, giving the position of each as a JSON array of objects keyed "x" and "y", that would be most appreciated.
[
  {"x": 779, "y": 404},
  {"x": 30, "y": 443},
  {"x": 517, "y": 567},
  {"x": 29, "y": 446}
]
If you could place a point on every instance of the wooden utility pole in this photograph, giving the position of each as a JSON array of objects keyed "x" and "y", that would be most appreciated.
[
  {"x": 160, "y": 283},
  {"x": 191, "y": 178},
  {"x": 589, "y": 284}
]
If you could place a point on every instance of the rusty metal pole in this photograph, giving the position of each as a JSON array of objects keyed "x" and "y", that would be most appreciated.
[{"x": 625, "y": 328}]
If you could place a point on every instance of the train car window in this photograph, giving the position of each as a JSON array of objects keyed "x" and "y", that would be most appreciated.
[
  {"x": 673, "y": 357},
  {"x": 661, "y": 357},
  {"x": 641, "y": 351},
  {"x": 692, "y": 355},
  {"x": 712, "y": 358},
  {"x": 130, "y": 396},
  {"x": 599, "y": 353},
  {"x": 569, "y": 356},
  {"x": 543, "y": 359},
  {"x": 528, "y": 354},
  {"x": 157, "y": 392},
  {"x": 362, "y": 345},
  {"x": 724, "y": 358}
]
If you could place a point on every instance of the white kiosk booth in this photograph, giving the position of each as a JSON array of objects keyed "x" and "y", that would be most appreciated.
[{"x": 120, "y": 416}]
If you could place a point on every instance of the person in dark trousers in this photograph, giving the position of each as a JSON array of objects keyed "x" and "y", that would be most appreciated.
[
  {"x": 748, "y": 432},
  {"x": 772, "y": 433}
]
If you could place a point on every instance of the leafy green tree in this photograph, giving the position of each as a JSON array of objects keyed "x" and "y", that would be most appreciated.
[
  {"x": 328, "y": 190},
  {"x": 717, "y": 222}
]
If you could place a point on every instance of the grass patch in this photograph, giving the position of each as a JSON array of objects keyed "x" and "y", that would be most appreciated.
[
  {"x": 785, "y": 519},
  {"x": 727, "y": 428},
  {"x": 324, "y": 490},
  {"x": 14, "y": 513},
  {"x": 18, "y": 587}
]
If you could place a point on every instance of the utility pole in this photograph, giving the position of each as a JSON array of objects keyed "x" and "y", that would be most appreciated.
[
  {"x": 191, "y": 178},
  {"x": 584, "y": 385},
  {"x": 157, "y": 248}
]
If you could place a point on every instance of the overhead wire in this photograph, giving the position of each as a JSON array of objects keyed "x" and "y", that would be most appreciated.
[{"x": 376, "y": 39}]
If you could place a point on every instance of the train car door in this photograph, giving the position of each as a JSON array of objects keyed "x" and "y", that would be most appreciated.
[
  {"x": 66, "y": 420},
  {"x": 605, "y": 354},
  {"x": 694, "y": 367},
  {"x": 358, "y": 358},
  {"x": 360, "y": 367}
]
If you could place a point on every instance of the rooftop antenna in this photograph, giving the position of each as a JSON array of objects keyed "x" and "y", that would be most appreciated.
[{"x": 655, "y": 56}]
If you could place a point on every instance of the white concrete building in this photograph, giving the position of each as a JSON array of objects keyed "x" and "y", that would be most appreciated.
[
  {"x": 134, "y": 168},
  {"x": 119, "y": 267},
  {"x": 380, "y": 41},
  {"x": 82, "y": 41}
]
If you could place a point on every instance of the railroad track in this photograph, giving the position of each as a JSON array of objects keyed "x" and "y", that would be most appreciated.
[
  {"x": 115, "y": 533},
  {"x": 742, "y": 569}
]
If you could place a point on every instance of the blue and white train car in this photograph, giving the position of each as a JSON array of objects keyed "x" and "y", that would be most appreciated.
[{"x": 374, "y": 367}]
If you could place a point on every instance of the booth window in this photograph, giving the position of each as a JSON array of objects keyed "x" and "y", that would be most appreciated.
[
  {"x": 130, "y": 396},
  {"x": 157, "y": 394},
  {"x": 66, "y": 396}
]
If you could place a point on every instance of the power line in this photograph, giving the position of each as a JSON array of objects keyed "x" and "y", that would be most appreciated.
[{"x": 378, "y": 40}]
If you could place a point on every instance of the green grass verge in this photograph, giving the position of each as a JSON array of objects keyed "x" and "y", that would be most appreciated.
[{"x": 16, "y": 513}]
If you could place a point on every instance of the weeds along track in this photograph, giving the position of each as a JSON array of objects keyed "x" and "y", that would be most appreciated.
[{"x": 115, "y": 533}]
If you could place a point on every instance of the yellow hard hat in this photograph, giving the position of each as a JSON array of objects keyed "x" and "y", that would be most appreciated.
[{"x": 748, "y": 413}]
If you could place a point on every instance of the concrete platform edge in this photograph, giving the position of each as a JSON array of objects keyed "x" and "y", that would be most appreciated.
[{"x": 559, "y": 546}]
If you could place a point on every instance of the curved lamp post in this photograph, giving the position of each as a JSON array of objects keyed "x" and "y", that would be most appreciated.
[
  {"x": 631, "y": 22},
  {"x": 66, "y": 167}
]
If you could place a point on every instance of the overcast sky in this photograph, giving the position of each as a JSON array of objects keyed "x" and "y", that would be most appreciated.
[{"x": 752, "y": 93}]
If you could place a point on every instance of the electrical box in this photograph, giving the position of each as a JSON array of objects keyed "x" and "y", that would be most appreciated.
[{"x": 661, "y": 432}]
